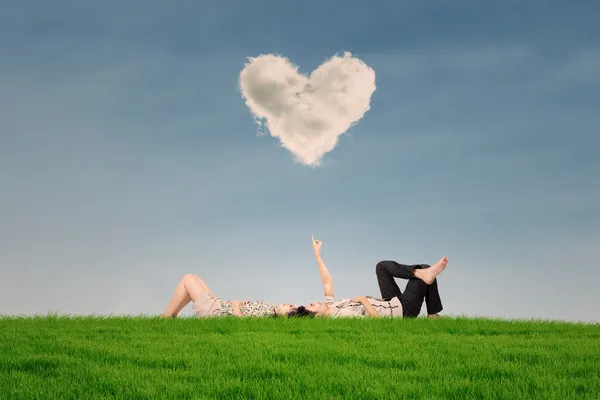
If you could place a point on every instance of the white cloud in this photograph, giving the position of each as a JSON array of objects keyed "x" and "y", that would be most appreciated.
[{"x": 307, "y": 113}]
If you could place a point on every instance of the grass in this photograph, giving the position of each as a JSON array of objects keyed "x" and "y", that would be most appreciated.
[{"x": 149, "y": 358}]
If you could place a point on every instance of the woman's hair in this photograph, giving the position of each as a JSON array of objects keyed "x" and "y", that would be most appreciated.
[{"x": 301, "y": 312}]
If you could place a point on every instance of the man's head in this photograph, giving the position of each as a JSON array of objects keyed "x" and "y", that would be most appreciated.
[{"x": 317, "y": 308}]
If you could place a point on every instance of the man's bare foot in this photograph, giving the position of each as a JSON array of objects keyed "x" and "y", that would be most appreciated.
[
  {"x": 432, "y": 316},
  {"x": 163, "y": 315},
  {"x": 430, "y": 273}
]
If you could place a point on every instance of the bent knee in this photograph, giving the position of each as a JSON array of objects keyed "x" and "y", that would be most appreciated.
[
  {"x": 380, "y": 267},
  {"x": 187, "y": 277}
]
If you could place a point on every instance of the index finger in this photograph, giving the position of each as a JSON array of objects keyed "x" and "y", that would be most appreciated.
[{"x": 313, "y": 238}]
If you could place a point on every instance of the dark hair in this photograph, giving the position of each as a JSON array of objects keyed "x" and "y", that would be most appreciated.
[{"x": 301, "y": 312}]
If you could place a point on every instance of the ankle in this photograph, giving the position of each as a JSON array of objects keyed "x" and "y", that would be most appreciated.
[{"x": 419, "y": 273}]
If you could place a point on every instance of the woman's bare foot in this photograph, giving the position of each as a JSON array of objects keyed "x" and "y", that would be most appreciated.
[
  {"x": 430, "y": 273},
  {"x": 163, "y": 315}
]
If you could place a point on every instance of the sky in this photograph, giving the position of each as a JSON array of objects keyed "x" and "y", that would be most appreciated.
[{"x": 129, "y": 155}]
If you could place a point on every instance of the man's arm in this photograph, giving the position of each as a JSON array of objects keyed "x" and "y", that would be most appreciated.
[
  {"x": 367, "y": 305},
  {"x": 325, "y": 275}
]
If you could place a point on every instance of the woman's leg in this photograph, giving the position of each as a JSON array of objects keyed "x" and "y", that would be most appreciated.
[{"x": 189, "y": 288}]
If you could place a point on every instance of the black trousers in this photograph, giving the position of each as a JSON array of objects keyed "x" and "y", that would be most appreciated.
[{"x": 415, "y": 292}]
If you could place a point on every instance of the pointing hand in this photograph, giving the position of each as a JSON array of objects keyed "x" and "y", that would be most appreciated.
[{"x": 316, "y": 245}]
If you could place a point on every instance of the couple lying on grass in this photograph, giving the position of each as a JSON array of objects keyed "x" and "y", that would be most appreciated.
[{"x": 422, "y": 285}]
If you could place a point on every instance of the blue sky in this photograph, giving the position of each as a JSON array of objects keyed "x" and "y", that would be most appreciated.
[{"x": 128, "y": 157}]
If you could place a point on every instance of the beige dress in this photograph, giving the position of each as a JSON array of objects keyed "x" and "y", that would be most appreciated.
[
  {"x": 208, "y": 305},
  {"x": 353, "y": 309}
]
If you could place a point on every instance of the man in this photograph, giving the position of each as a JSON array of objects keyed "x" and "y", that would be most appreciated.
[{"x": 422, "y": 284}]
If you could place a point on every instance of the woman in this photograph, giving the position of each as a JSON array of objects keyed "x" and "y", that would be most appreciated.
[
  {"x": 422, "y": 285},
  {"x": 206, "y": 304}
]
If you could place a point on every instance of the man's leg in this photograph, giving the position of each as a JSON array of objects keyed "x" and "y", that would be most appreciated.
[
  {"x": 432, "y": 299},
  {"x": 422, "y": 284},
  {"x": 428, "y": 275},
  {"x": 416, "y": 291},
  {"x": 386, "y": 271},
  {"x": 412, "y": 298}
]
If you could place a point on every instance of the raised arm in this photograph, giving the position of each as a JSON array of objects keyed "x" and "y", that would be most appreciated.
[{"x": 325, "y": 275}]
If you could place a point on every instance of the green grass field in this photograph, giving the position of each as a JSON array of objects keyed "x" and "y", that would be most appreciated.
[{"x": 189, "y": 358}]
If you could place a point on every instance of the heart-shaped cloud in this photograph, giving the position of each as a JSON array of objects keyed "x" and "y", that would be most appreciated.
[{"x": 307, "y": 113}]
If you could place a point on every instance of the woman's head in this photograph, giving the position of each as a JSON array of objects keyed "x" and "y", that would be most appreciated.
[
  {"x": 284, "y": 309},
  {"x": 301, "y": 312}
]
